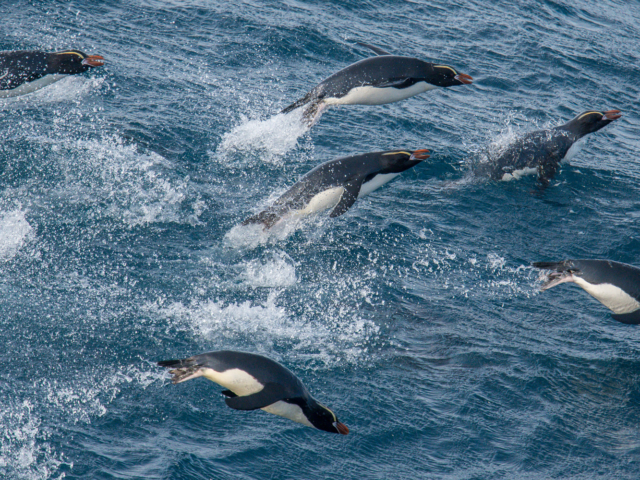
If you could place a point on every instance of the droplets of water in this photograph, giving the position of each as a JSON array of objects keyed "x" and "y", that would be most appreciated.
[
  {"x": 255, "y": 140},
  {"x": 15, "y": 232}
]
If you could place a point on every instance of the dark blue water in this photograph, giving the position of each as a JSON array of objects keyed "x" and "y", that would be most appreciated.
[{"x": 415, "y": 316}]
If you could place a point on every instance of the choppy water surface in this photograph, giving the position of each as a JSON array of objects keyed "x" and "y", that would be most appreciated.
[{"x": 415, "y": 316}]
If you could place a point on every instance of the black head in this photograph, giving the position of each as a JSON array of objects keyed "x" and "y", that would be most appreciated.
[
  {"x": 324, "y": 419},
  {"x": 446, "y": 76},
  {"x": 73, "y": 61},
  {"x": 589, "y": 122},
  {"x": 396, "y": 161}
]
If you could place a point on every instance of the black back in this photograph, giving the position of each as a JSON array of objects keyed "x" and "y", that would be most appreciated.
[
  {"x": 20, "y": 67},
  {"x": 261, "y": 368},
  {"x": 626, "y": 277},
  {"x": 336, "y": 173},
  {"x": 386, "y": 70},
  {"x": 17, "y": 68},
  {"x": 544, "y": 149}
]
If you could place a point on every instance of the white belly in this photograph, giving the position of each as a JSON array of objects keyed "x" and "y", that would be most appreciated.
[
  {"x": 612, "y": 297},
  {"x": 375, "y": 183},
  {"x": 31, "y": 86},
  {"x": 378, "y": 96},
  {"x": 290, "y": 411},
  {"x": 236, "y": 380},
  {"x": 518, "y": 174},
  {"x": 322, "y": 201},
  {"x": 573, "y": 150}
]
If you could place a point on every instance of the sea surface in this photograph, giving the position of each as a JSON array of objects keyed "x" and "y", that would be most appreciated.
[{"x": 415, "y": 316}]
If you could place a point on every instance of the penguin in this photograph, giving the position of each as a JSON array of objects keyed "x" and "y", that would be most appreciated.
[
  {"x": 542, "y": 151},
  {"x": 615, "y": 285},
  {"x": 24, "y": 72},
  {"x": 337, "y": 184},
  {"x": 377, "y": 80},
  {"x": 254, "y": 382}
]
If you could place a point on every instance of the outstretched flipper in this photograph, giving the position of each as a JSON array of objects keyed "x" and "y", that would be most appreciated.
[
  {"x": 348, "y": 198},
  {"x": 377, "y": 50},
  {"x": 270, "y": 394}
]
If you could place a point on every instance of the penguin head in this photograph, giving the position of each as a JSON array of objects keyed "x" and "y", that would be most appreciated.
[
  {"x": 397, "y": 161},
  {"x": 73, "y": 61},
  {"x": 324, "y": 419},
  {"x": 446, "y": 76},
  {"x": 591, "y": 121}
]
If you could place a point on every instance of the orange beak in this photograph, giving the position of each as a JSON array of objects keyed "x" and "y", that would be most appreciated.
[
  {"x": 342, "y": 428},
  {"x": 464, "y": 78},
  {"x": 93, "y": 61},
  {"x": 419, "y": 155},
  {"x": 611, "y": 115}
]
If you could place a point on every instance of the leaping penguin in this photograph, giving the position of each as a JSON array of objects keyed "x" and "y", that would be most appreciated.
[
  {"x": 542, "y": 151},
  {"x": 23, "y": 72},
  {"x": 615, "y": 285},
  {"x": 257, "y": 382},
  {"x": 337, "y": 184},
  {"x": 377, "y": 80}
]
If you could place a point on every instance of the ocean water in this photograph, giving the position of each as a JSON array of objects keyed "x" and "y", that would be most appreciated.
[{"x": 415, "y": 316}]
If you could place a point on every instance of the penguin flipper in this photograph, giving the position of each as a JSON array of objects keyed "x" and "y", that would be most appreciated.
[
  {"x": 228, "y": 393},
  {"x": 377, "y": 50},
  {"x": 348, "y": 198},
  {"x": 270, "y": 394},
  {"x": 632, "y": 318},
  {"x": 396, "y": 83}
]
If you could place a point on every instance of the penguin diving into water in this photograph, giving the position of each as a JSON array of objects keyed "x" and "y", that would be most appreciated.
[
  {"x": 23, "y": 72},
  {"x": 257, "y": 382},
  {"x": 377, "y": 80},
  {"x": 541, "y": 152},
  {"x": 337, "y": 184},
  {"x": 615, "y": 285}
]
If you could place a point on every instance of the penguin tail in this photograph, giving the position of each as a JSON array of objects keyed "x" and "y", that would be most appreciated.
[
  {"x": 563, "y": 273},
  {"x": 182, "y": 370},
  {"x": 296, "y": 104},
  {"x": 266, "y": 218}
]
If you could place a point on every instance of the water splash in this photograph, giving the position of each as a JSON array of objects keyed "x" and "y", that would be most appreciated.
[
  {"x": 269, "y": 140},
  {"x": 15, "y": 231}
]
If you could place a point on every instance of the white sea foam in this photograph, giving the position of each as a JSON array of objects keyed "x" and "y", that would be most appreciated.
[
  {"x": 267, "y": 139},
  {"x": 15, "y": 231},
  {"x": 138, "y": 188},
  {"x": 71, "y": 88},
  {"x": 340, "y": 336},
  {"x": 25, "y": 451},
  {"x": 276, "y": 271}
]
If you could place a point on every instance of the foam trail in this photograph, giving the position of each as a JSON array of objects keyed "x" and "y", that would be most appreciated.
[
  {"x": 15, "y": 231},
  {"x": 271, "y": 138}
]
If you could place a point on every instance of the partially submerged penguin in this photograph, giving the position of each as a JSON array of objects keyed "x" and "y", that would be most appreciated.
[
  {"x": 377, "y": 80},
  {"x": 257, "y": 382},
  {"x": 337, "y": 184},
  {"x": 24, "y": 72},
  {"x": 615, "y": 285},
  {"x": 542, "y": 151}
]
